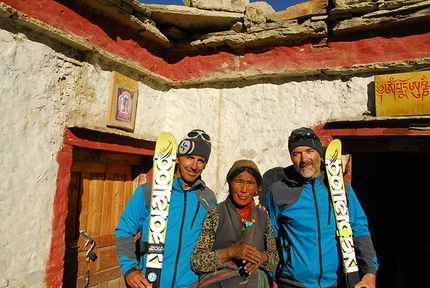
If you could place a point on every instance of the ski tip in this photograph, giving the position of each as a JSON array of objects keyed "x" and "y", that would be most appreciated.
[
  {"x": 165, "y": 134},
  {"x": 333, "y": 150},
  {"x": 335, "y": 142}
]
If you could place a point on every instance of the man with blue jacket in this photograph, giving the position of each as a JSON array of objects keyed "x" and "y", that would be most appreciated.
[
  {"x": 189, "y": 202},
  {"x": 304, "y": 222}
]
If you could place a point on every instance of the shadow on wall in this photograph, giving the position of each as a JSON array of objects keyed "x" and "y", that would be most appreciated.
[{"x": 269, "y": 177}]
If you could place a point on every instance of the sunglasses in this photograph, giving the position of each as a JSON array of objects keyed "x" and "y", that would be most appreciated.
[
  {"x": 307, "y": 136},
  {"x": 197, "y": 133}
]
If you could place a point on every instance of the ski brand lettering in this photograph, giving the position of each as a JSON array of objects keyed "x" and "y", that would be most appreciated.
[
  {"x": 156, "y": 249},
  {"x": 342, "y": 217},
  {"x": 160, "y": 209},
  {"x": 162, "y": 181},
  {"x": 339, "y": 199}
]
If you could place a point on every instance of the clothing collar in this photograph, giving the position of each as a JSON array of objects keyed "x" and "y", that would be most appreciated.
[{"x": 198, "y": 184}]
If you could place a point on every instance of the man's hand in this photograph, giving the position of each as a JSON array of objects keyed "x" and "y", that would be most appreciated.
[
  {"x": 137, "y": 279},
  {"x": 368, "y": 281}
]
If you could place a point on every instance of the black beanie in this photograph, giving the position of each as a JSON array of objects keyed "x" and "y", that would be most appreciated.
[
  {"x": 195, "y": 145},
  {"x": 305, "y": 137}
]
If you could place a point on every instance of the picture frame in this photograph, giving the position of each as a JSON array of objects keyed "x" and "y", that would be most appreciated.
[{"x": 122, "y": 104}]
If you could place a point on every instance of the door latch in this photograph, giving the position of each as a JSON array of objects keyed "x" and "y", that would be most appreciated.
[{"x": 91, "y": 255}]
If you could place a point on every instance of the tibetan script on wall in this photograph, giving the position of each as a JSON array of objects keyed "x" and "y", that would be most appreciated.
[{"x": 402, "y": 94}]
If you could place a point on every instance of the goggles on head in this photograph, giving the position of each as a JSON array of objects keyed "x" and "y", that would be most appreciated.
[
  {"x": 307, "y": 136},
  {"x": 196, "y": 133}
]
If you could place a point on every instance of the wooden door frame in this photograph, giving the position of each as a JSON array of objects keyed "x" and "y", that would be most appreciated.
[
  {"x": 375, "y": 129},
  {"x": 89, "y": 139},
  {"x": 384, "y": 133}
]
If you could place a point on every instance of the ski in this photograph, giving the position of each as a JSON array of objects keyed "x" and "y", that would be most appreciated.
[
  {"x": 333, "y": 163},
  {"x": 163, "y": 171}
]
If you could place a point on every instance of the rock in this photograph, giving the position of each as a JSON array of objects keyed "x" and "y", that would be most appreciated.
[
  {"x": 303, "y": 10},
  {"x": 221, "y": 5},
  {"x": 256, "y": 13}
]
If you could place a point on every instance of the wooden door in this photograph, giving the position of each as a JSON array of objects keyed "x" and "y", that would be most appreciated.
[{"x": 101, "y": 184}]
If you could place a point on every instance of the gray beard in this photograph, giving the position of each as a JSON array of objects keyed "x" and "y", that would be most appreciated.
[{"x": 308, "y": 173}]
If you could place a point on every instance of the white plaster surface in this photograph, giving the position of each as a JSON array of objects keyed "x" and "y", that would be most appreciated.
[
  {"x": 31, "y": 125},
  {"x": 42, "y": 91}
]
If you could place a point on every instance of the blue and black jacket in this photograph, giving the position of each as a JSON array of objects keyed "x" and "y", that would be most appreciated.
[
  {"x": 304, "y": 226},
  {"x": 187, "y": 212}
]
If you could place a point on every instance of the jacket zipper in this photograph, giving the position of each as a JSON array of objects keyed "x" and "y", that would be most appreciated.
[
  {"x": 195, "y": 215},
  {"x": 180, "y": 239},
  {"x": 329, "y": 202},
  {"x": 319, "y": 231}
]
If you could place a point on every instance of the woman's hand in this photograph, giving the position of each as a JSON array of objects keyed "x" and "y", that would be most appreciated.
[
  {"x": 243, "y": 252},
  {"x": 250, "y": 256},
  {"x": 247, "y": 253},
  {"x": 252, "y": 267}
]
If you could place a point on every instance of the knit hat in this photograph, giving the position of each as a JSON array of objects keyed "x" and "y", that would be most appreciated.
[
  {"x": 197, "y": 142},
  {"x": 245, "y": 164},
  {"x": 305, "y": 137}
]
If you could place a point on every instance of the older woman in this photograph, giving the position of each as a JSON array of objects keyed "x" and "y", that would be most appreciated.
[{"x": 236, "y": 246}]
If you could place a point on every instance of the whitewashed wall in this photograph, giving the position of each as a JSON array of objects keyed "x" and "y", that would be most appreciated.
[
  {"x": 42, "y": 91},
  {"x": 31, "y": 125},
  {"x": 253, "y": 122}
]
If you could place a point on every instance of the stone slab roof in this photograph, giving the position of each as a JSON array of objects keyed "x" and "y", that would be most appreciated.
[
  {"x": 178, "y": 45},
  {"x": 191, "y": 28}
]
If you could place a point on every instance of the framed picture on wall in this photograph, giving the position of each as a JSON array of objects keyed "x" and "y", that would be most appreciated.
[{"x": 122, "y": 102}]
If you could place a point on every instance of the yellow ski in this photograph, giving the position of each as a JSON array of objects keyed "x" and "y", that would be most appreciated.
[
  {"x": 163, "y": 171},
  {"x": 333, "y": 163}
]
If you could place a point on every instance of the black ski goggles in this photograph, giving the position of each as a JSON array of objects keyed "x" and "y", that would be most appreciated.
[
  {"x": 196, "y": 133},
  {"x": 307, "y": 136}
]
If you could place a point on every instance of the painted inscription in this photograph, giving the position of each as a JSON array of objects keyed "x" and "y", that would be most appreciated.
[{"x": 402, "y": 94}]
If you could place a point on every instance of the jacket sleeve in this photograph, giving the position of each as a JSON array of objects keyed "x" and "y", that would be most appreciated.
[
  {"x": 365, "y": 252},
  {"x": 130, "y": 223}
]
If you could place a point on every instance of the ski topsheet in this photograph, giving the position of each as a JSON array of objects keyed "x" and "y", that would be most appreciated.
[
  {"x": 163, "y": 171},
  {"x": 333, "y": 163}
]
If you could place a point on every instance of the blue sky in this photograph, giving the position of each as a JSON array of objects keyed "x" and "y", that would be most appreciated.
[{"x": 278, "y": 5}]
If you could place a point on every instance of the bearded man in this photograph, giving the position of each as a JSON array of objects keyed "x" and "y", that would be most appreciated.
[{"x": 304, "y": 223}]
